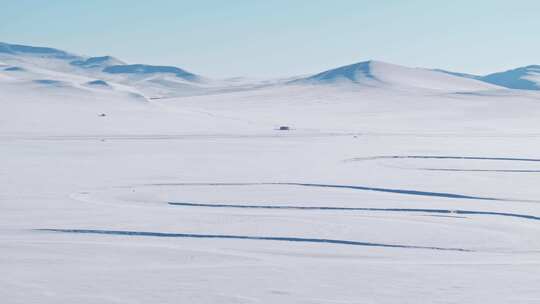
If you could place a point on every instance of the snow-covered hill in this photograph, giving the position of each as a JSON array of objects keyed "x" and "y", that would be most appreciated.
[
  {"x": 101, "y": 62},
  {"x": 377, "y": 73},
  {"x": 152, "y": 81},
  {"x": 524, "y": 78},
  {"x": 44, "y": 52}
]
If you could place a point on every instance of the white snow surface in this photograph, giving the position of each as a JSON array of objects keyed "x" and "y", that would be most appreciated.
[{"x": 408, "y": 187}]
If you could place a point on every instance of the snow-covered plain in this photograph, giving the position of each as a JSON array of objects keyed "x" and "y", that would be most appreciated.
[{"x": 395, "y": 185}]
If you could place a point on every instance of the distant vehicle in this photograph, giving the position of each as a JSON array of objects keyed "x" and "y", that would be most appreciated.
[
  {"x": 284, "y": 128},
  {"x": 102, "y": 115}
]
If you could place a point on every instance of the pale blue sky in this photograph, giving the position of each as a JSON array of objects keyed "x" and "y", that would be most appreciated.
[{"x": 284, "y": 37}]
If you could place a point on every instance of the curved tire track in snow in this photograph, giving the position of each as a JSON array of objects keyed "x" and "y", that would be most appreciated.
[
  {"x": 443, "y": 157},
  {"x": 454, "y": 158},
  {"x": 462, "y": 170},
  {"x": 362, "y": 188},
  {"x": 245, "y": 237},
  {"x": 478, "y": 170},
  {"x": 412, "y": 210}
]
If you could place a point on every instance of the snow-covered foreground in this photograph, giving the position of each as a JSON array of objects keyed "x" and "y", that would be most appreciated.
[
  {"x": 381, "y": 193},
  {"x": 114, "y": 183},
  {"x": 104, "y": 189}
]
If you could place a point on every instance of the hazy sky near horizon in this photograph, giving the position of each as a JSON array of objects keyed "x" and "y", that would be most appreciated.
[{"x": 284, "y": 37}]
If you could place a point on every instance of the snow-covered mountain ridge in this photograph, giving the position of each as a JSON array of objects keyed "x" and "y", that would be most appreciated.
[{"x": 154, "y": 81}]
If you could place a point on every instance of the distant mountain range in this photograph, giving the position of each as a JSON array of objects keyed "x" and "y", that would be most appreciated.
[{"x": 49, "y": 65}]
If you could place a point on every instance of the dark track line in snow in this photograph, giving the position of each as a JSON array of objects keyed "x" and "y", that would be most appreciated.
[
  {"x": 243, "y": 237},
  {"x": 444, "y": 157},
  {"x": 466, "y": 170},
  {"x": 130, "y": 137},
  {"x": 396, "y": 191},
  {"x": 434, "y": 211},
  {"x": 363, "y": 188},
  {"x": 478, "y": 170}
]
